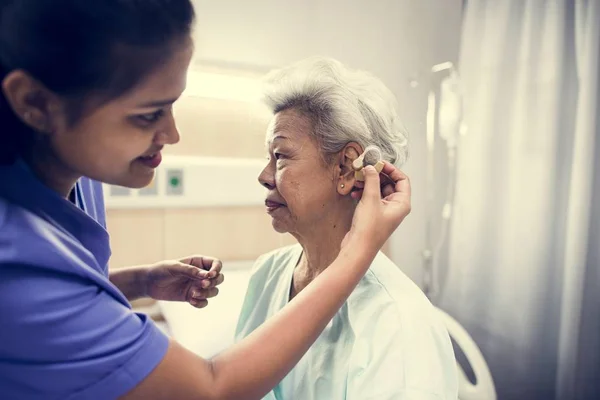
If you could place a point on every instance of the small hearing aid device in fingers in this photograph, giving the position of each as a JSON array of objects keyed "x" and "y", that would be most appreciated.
[{"x": 371, "y": 156}]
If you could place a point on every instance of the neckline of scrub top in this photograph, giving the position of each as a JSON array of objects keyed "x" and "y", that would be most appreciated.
[
  {"x": 19, "y": 185},
  {"x": 75, "y": 197}
]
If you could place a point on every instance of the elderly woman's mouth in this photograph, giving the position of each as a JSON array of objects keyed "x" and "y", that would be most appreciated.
[{"x": 273, "y": 205}]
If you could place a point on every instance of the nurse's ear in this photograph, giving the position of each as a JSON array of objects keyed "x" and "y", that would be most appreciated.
[
  {"x": 31, "y": 101},
  {"x": 345, "y": 177}
]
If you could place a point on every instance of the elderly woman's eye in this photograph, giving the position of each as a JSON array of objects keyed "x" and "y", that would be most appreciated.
[{"x": 278, "y": 156}]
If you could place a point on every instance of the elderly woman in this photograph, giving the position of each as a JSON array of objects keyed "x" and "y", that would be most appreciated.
[{"x": 386, "y": 342}]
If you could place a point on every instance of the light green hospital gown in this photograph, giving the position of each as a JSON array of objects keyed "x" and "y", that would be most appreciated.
[{"x": 386, "y": 342}]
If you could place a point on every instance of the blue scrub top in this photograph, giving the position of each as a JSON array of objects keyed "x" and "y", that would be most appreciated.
[{"x": 66, "y": 332}]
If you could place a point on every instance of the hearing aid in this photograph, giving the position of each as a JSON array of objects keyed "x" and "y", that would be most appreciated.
[{"x": 371, "y": 156}]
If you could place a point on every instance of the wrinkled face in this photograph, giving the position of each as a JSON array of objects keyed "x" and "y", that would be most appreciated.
[
  {"x": 120, "y": 142},
  {"x": 301, "y": 188}
]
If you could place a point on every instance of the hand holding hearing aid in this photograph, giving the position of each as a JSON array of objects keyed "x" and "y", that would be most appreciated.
[
  {"x": 380, "y": 210},
  {"x": 371, "y": 156}
]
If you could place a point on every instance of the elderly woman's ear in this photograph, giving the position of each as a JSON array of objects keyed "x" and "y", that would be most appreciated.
[{"x": 346, "y": 178}]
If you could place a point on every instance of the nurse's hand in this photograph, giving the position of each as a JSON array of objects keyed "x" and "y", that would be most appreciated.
[
  {"x": 192, "y": 279},
  {"x": 385, "y": 200}
]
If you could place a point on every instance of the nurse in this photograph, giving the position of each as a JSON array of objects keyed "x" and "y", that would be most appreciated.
[{"x": 87, "y": 90}]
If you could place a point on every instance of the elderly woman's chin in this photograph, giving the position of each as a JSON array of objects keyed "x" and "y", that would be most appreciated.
[{"x": 280, "y": 225}]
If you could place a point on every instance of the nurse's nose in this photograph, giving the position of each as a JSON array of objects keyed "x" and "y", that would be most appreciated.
[{"x": 168, "y": 132}]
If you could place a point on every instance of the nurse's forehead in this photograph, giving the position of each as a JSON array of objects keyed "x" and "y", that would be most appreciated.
[
  {"x": 157, "y": 103},
  {"x": 156, "y": 93},
  {"x": 165, "y": 85},
  {"x": 150, "y": 99},
  {"x": 134, "y": 103},
  {"x": 152, "y": 94}
]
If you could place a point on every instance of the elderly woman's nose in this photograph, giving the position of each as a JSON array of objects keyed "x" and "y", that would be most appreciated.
[{"x": 267, "y": 179}]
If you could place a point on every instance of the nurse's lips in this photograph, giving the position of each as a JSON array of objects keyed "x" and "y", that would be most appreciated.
[
  {"x": 273, "y": 205},
  {"x": 152, "y": 160}
]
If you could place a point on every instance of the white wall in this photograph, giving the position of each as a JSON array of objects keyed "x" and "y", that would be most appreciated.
[{"x": 398, "y": 40}]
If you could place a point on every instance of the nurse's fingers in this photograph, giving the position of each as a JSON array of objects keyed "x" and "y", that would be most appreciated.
[
  {"x": 392, "y": 172},
  {"x": 215, "y": 268},
  {"x": 371, "y": 192},
  {"x": 401, "y": 182},
  {"x": 386, "y": 180},
  {"x": 387, "y": 185},
  {"x": 210, "y": 283},
  {"x": 199, "y": 303},
  {"x": 200, "y": 294},
  {"x": 199, "y": 297},
  {"x": 402, "y": 188},
  {"x": 210, "y": 264},
  {"x": 190, "y": 271},
  {"x": 356, "y": 194},
  {"x": 387, "y": 190}
]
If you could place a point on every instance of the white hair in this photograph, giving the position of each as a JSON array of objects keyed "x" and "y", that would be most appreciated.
[{"x": 344, "y": 105}]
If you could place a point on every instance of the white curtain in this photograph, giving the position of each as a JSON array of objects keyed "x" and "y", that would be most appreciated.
[{"x": 524, "y": 260}]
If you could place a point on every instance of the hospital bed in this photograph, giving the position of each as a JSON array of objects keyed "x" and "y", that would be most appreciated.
[{"x": 208, "y": 331}]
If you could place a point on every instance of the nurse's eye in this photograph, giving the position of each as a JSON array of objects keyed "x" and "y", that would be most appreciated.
[{"x": 150, "y": 118}]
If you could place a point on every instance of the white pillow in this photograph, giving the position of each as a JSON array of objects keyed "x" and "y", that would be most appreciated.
[{"x": 210, "y": 330}]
